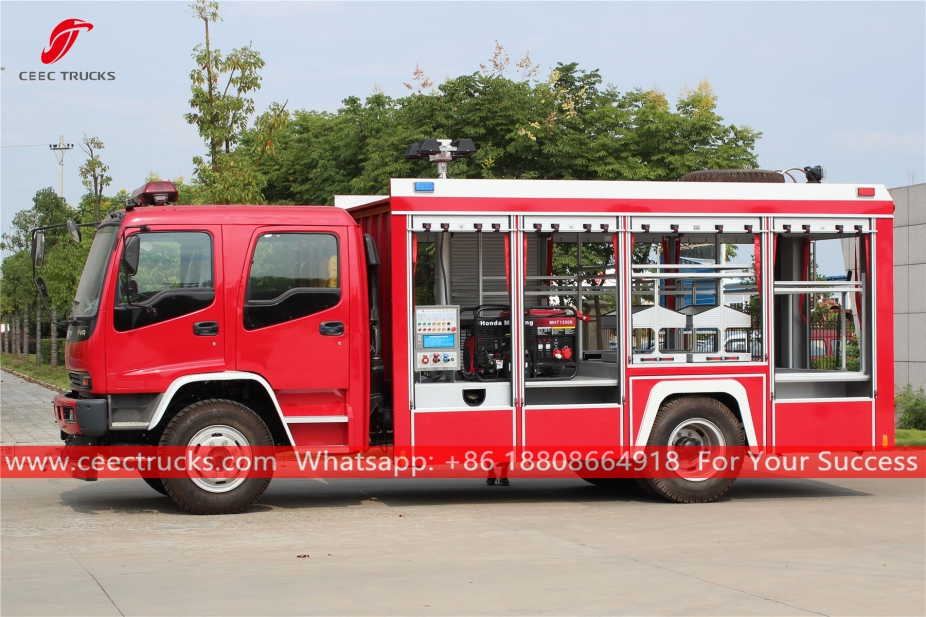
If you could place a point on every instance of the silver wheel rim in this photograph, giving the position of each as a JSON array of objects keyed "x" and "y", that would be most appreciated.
[
  {"x": 696, "y": 433},
  {"x": 210, "y": 441}
]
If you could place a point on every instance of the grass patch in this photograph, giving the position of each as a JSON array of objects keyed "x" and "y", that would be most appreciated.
[
  {"x": 55, "y": 376},
  {"x": 909, "y": 437}
]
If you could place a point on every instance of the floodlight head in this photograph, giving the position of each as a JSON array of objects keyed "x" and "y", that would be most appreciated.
[
  {"x": 464, "y": 147},
  {"x": 411, "y": 152},
  {"x": 429, "y": 147},
  {"x": 440, "y": 151},
  {"x": 815, "y": 174}
]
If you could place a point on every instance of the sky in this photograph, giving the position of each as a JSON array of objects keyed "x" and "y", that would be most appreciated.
[{"x": 840, "y": 84}]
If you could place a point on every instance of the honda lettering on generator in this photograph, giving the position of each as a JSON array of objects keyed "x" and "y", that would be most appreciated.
[{"x": 520, "y": 313}]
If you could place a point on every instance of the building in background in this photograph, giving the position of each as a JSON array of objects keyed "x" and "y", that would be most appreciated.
[{"x": 910, "y": 285}]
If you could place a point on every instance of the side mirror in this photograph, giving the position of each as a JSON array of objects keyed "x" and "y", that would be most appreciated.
[
  {"x": 38, "y": 249},
  {"x": 42, "y": 287},
  {"x": 73, "y": 230},
  {"x": 370, "y": 249},
  {"x": 130, "y": 288},
  {"x": 130, "y": 255}
]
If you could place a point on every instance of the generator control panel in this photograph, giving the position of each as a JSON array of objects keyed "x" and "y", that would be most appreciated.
[
  {"x": 550, "y": 337},
  {"x": 437, "y": 338}
]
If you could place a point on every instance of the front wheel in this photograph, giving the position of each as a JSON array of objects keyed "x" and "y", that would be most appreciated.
[
  {"x": 702, "y": 422},
  {"x": 215, "y": 424}
]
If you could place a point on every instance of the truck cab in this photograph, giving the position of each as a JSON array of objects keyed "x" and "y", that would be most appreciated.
[{"x": 261, "y": 309}]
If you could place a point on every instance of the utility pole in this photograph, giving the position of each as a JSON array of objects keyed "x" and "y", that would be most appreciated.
[{"x": 59, "y": 149}]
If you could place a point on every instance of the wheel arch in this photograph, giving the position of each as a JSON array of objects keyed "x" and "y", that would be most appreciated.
[
  {"x": 249, "y": 389},
  {"x": 728, "y": 391}
]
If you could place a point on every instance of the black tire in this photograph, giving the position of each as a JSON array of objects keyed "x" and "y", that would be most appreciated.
[
  {"x": 617, "y": 485},
  {"x": 157, "y": 484},
  {"x": 197, "y": 417},
  {"x": 733, "y": 175},
  {"x": 673, "y": 414}
]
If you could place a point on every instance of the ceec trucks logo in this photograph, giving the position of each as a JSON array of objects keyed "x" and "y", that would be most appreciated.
[{"x": 62, "y": 38}]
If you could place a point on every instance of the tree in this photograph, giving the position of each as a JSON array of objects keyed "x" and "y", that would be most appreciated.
[
  {"x": 18, "y": 287},
  {"x": 93, "y": 172},
  {"x": 223, "y": 114},
  {"x": 567, "y": 126}
]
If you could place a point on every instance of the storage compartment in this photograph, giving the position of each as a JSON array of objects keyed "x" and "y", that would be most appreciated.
[
  {"x": 462, "y": 394},
  {"x": 811, "y": 384},
  {"x": 825, "y": 424}
]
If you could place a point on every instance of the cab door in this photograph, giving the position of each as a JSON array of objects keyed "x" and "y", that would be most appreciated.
[
  {"x": 293, "y": 326},
  {"x": 166, "y": 317}
]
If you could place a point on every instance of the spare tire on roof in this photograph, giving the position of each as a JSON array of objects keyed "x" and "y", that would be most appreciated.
[{"x": 733, "y": 175}]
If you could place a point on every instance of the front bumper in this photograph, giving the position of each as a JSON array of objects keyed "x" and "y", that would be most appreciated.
[{"x": 76, "y": 416}]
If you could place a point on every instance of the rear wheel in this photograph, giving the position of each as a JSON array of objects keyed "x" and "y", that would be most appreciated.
[
  {"x": 733, "y": 175},
  {"x": 208, "y": 425},
  {"x": 698, "y": 421}
]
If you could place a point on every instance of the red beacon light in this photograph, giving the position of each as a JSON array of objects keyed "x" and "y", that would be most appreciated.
[{"x": 154, "y": 194}]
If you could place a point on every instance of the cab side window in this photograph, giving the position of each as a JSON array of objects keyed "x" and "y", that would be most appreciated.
[
  {"x": 174, "y": 278},
  {"x": 293, "y": 275}
]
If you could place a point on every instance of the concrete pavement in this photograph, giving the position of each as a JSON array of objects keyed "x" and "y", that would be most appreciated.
[
  {"x": 789, "y": 547},
  {"x": 26, "y": 415},
  {"x": 457, "y": 547}
]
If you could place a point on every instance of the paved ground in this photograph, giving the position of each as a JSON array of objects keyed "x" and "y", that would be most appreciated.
[
  {"x": 115, "y": 547},
  {"x": 456, "y": 547},
  {"x": 26, "y": 412}
]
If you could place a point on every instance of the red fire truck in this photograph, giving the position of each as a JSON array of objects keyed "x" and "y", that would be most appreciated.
[{"x": 391, "y": 320}]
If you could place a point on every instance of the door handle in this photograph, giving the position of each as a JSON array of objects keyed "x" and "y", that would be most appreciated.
[
  {"x": 331, "y": 328},
  {"x": 206, "y": 328}
]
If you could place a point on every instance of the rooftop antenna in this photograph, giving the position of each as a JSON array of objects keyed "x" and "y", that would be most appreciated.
[
  {"x": 59, "y": 149},
  {"x": 440, "y": 151}
]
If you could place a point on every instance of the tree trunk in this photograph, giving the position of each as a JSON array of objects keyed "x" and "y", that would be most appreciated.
[
  {"x": 54, "y": 338},
  {"x": 26, "y": 331},
  {"x": 38, "y": 333},
  {"x": 598, "y": 321},
  {"x": 16, "y": 346},
  {"x": 3, "y": 336},
  {"x": 15, "y": 326}
]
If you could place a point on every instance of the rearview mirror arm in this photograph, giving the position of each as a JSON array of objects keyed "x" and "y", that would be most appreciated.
[{"x": 34, "y": 278}]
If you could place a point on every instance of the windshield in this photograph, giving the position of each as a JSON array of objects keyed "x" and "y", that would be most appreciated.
[{"x": 87, "y": 300}]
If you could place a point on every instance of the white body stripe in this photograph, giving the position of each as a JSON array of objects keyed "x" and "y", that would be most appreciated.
[
  {"x": 616, "y": 190},
  {"x": 226, "y": 376},
  {"x": 315, "y": 419}
]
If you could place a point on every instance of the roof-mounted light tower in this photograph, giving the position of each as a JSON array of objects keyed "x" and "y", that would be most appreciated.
[
  {"x": 441, "y": 151},
  {"x": 814, "y": 175}
]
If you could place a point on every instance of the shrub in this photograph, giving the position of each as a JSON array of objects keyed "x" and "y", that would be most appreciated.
[
  {"x": 912, "y": 408},
  {"x": 46, "y": 351}
]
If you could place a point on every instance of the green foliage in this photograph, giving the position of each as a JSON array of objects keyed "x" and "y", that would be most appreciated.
[
  {"x": 833, "y": 363},
  {"x": 569, "y": 126},
  {"x": 425, "y": 274},
  {"x": 46, "y": 351},
  {"x": 909, "y": 437},
  {"x": 60, "y": 259},
  {"x": 54, "y": 376},
  {"x": 911, "y": 404},
  {"x": 222, "y": 115},
  {"x": 93, "y": 172},
  {"x": 237, "y": 180}
]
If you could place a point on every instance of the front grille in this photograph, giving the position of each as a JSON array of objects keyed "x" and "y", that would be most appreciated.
[{"x": 77, "y": 382}]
